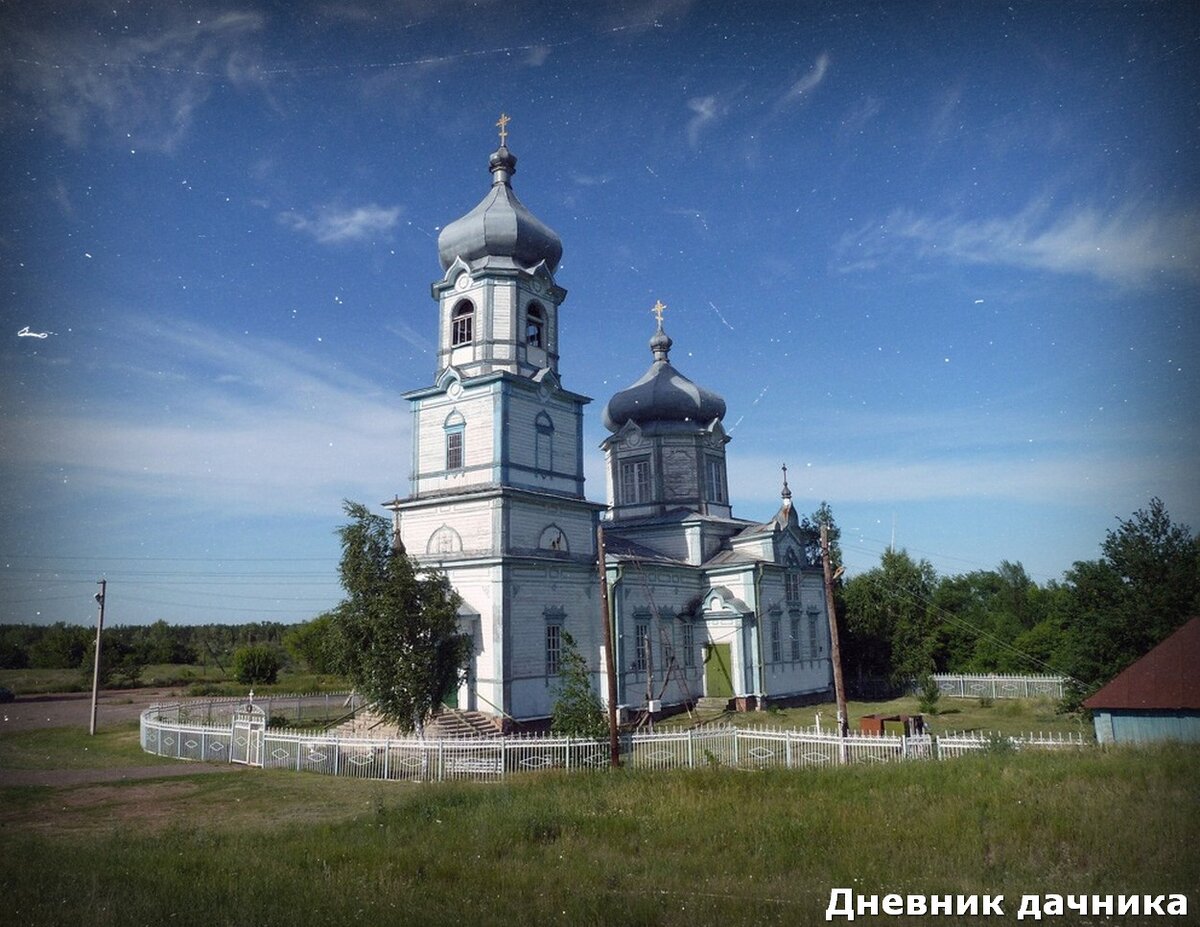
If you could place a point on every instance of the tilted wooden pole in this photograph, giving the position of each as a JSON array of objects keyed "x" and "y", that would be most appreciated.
[
  {"x": 835, "y": 650},
  {"x": 610, "y": 666}
]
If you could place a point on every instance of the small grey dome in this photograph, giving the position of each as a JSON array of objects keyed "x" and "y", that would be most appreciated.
[
  {"x": 663, "y": 394},
  {"x": 500, "y": 231}
]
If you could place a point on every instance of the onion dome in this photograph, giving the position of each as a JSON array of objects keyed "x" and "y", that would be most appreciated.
[
  {"x": 500, "y": 231},
  {"x": 663, "y": 394}
]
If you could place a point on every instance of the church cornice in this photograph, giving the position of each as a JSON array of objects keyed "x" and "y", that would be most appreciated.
[
  {"x": 491, "y": 491},
  {"x": 529, "y": 384}
]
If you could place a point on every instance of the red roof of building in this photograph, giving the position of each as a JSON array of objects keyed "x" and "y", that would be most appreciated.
[{"x": 1167, "y": 677}]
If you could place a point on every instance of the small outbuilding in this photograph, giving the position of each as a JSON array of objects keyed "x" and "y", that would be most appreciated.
[{"x": 1156, "y": 698}]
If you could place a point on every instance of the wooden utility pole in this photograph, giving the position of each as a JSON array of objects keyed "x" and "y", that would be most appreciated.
[
  {"x": 610, "y": 666},
  {"x": 835, "y": 650},
  {"x": 96, "y": 669}
]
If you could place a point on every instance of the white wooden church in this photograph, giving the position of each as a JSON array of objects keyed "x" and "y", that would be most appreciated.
[{"x": 703, "y": 604}]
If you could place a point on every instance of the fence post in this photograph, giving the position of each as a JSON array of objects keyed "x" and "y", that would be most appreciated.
[
  {"x": 691, "y": 749},
  {"x": 787, "y": 749},
  {"x": 441, "y": 763},
  {"x": 387, "y": 756},
  {"x": 568, "y": 751}
]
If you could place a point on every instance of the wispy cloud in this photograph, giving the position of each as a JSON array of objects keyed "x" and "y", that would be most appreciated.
[
  {"x": 333, "y": 225},
  {"x": 1127, "y": 245},
  {"x": 255, "y": 426},
  {"x": 705, "y": 112},
  {"x": 138, "y": 88},
  {"x": 808, "y": 83}
]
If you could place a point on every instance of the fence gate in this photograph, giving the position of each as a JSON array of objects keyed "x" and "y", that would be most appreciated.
[{"x": 247, "y": 743}]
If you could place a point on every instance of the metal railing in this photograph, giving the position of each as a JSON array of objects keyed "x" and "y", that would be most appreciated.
[{"x": 165, "y": 732}]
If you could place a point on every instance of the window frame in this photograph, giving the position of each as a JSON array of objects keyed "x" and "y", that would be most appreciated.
[
  {"x": 462, "y": 324},
  {"x": 456, "y": 448},
  {"x": 636, "y": 480},
  {"x": 535, "y": 326}
]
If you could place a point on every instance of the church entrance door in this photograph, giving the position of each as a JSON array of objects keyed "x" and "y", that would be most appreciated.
[{"x": 718, "y": 683}]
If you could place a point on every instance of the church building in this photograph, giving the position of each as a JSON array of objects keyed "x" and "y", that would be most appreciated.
[{"x": 703, "y": 604}]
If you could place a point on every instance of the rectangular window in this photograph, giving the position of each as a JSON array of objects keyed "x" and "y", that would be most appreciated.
[
  {"x": 795, "y": 637},
  {"x": 813, "y": 645},
  {"x": 776, "y": 642},
  {"x": 716, "y": 480},
  {"x": 635, "y": 481},
  {"x": 791, "y": 586},
  {"x": 641, "y": 632},
  {"x": 689, "y": 644},
  {"x": 454, "y": 449},
  {"x": 553, "y": 648}
]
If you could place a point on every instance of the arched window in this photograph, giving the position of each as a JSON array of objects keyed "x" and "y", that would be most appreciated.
[
  {"x": 455, "y": 428},
  {"x": 462, "y": 324},
  {"x": 543, "y": 442},
  {"x": 535, "y": 326}
]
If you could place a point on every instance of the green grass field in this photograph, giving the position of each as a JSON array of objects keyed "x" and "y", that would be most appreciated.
[
  {"x": 704, "y": 847},
  {"x": 207, "y": 680}
]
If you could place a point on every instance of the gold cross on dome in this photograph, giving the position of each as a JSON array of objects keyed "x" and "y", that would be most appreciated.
[
  {"x": 503, "y": 122},
  {"x": 657, "y": 309}
]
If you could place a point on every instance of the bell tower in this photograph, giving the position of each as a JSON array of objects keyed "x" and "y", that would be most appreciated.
[{"x": 497, "y": 487}]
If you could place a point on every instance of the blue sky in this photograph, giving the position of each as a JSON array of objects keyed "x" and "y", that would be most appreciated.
[{"x": 943, "y": 259}]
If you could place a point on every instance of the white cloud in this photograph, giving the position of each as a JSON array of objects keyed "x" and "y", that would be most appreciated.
[
  {"x": 706, "y": 111},
  {"x": 140, "y": 88},
  {"x": 256, "y": 426},
  {"x": 1127, "y": 245},
  {"x": 809, "y": 82},
  {"x": 333, "y": 226}
]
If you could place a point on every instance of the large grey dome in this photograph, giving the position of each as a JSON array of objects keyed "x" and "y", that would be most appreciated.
[
  {"x": 500, "y": 231},
  {"x": 663, "y": 394}
]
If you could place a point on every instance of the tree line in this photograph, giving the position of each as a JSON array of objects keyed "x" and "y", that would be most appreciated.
[
  {"x": 128, "y": 649},
  {"x": 901, "y": 621}
]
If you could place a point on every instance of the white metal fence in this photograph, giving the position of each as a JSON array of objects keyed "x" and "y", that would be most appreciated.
[
  {"x": 168, "y": 731},
  {"x": 996, "y": 686}
]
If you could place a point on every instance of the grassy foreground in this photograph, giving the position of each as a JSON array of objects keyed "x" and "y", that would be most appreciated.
[{"x": 702, "y": 847}]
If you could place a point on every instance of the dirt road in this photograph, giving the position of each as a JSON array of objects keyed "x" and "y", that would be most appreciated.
[{"x": 69, "y": 709}]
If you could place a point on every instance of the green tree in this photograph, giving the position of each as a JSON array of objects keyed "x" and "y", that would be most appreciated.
[
  {"x": 1143, "y": 588},
  {"x": 889, "y": 628},
  {"x": 60, "y": 646},
  {"x": 577, "y": 709},
  {"x": 312, "y": 643},
  {"x": 397, "y": 629},
  {"x": 256, "y": 663}
]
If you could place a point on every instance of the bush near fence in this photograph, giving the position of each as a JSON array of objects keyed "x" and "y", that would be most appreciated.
[{"x": 225, "y": 731}]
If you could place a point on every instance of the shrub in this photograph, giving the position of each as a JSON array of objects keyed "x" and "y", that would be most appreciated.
[
  {"x": 928, "y": 694},
  {"x": 256, "y": 663}
]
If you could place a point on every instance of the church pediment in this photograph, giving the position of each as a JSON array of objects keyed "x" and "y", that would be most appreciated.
[
  {"x": 448, "y": 378},
  {"x": 720, "y": 600}
]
